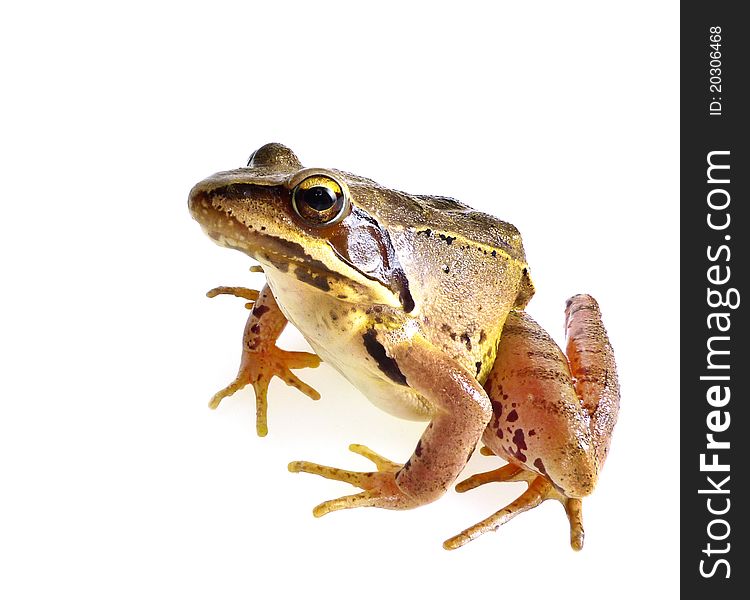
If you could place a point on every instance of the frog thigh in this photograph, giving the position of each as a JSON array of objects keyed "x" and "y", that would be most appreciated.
[{"x": 538, "y": 421}]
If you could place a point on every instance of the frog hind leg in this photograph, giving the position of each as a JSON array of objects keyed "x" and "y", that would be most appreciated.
[
  {"x": 542, "y": 401},
  {"x": 592, "y": 365},
  {"x": 539, "y": 489},
  {"x": 261, "y": 358}
]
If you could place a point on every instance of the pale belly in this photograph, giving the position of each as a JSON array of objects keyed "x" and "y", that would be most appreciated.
[
  {"x": 334, "y": 329},
  {"x": 397, "y": 400}
]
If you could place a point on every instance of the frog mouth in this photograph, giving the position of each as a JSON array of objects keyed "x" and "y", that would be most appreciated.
[
  {"x": 225, "y": 228},
  {"x": 226, "y": 222}
]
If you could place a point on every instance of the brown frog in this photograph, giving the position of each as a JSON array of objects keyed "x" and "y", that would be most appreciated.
[{"x": 419, "y": 302}]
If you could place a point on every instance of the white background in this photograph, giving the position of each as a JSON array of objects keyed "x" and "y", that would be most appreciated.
[{"x": 118, "y": 482}]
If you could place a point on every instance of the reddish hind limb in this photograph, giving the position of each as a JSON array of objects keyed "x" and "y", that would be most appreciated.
[{"x": 553, "y": 415}]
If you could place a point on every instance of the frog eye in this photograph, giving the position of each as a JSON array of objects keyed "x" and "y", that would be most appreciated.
[{"x": 319, "y": 200}]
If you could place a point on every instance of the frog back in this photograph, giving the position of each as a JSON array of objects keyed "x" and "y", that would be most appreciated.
[{"x": 466, "y": 270}]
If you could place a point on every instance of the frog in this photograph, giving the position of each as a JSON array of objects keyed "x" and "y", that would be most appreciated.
[{"x": 419, "y": 302}]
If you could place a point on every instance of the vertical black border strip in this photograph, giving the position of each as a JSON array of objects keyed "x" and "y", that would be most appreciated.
[{"x": 720, "y": 541}]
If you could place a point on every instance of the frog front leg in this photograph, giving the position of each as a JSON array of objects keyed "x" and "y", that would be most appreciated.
[
  {"x": 261, "y": 358},
  {"x": 461, "y": 411},
  {"x": 553, "y": 415}
]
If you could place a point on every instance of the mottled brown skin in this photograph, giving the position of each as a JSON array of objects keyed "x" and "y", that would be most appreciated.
[
  {"x": 385, "y": 287},
  {"x": 538, "y": 422},
  {"x": 552, "y": 414}
]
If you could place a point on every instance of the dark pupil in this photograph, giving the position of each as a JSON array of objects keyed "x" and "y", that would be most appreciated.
[{"x": 319, "y": 198}]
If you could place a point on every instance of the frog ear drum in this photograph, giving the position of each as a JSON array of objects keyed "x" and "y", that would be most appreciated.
[{"x": 319, "y": 200}]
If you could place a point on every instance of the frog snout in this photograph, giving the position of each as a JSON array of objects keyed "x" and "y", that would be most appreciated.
[
  {"x": 200, "y": 197},
  {"x": 196, "y": 199}
]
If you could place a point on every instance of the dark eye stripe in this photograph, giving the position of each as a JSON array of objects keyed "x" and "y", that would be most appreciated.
[{"x": 361, "y": 242}]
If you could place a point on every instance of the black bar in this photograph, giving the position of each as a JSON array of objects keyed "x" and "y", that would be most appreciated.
[{"x": 714, "y": 261}]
